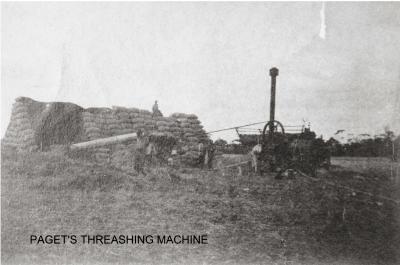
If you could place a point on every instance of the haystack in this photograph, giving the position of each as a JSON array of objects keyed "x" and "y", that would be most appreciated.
[
  {"x": 38, "y": 125},
  {"x": 59, "y": 123}
]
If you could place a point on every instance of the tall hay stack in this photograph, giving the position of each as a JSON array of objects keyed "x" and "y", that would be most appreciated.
[
  {"x": 34, "y": 124},
  {"x": 20, "y": 133},
  {"x": 192, "y": 133}
]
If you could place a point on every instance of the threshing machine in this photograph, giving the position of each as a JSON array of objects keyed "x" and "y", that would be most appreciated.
[{"x": 301, "y": 151}]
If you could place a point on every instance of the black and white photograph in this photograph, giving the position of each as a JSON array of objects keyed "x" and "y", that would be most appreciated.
[{"x": 200, "y": 133}]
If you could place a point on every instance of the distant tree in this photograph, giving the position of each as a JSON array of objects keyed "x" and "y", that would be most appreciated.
[
  {"x": 335, "y": 146},
  {"x": 332, "y": 142},
  {"x": 389, "y": 142},
  {"x": 389, "y": 134},
  {"x": 396, "y": 156},
  {"x": 381, "y": 145}
]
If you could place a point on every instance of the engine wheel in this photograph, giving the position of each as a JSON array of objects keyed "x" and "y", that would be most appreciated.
[{"x": 277, "y": 128}]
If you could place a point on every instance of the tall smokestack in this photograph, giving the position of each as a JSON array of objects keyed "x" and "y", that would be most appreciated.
[{"x": 273, "y": 72}]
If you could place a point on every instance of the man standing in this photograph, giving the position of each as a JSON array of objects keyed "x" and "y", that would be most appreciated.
[
  {"x": 202, "y": 150},
  {"x": 207, "y": 152},
  {"x": 156, "y": 111},
  {"x": 210, "y": 152},
  {"x": 255, "y": 154},
  {"x": 140, "y": 151}
]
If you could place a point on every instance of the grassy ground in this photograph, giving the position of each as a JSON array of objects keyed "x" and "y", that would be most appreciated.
[
  {"x": 375, "y": 165},
  {"x": 249, "y": 220}
]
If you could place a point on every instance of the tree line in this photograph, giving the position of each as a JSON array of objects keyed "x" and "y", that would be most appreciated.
[{"x": 384, "y": 145}]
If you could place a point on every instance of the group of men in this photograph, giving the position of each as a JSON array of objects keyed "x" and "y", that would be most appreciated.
[
  {"x": 207, "y": 153},
  {"x": 145, "y": 151}
]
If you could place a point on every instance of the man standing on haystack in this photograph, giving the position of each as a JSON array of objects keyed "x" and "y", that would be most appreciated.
[{"x": 156, "y": 111}]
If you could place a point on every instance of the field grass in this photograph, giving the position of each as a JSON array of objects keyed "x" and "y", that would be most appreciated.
[
  {"x": 249, "y": 219},
  {"x": 377, "y": 165}
]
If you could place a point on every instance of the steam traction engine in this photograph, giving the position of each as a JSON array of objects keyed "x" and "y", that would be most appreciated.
[{"x": 295, "y": 151}]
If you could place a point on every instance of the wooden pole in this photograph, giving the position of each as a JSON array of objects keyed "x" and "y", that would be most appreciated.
[{"x": 104, "y": 141}]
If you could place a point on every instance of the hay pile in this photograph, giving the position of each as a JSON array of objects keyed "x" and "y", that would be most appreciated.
[
  {"x": 39, "y": 125},
  {"x": 20, "y": 132},
  {"x": 168, "y": 126},
  {"x": 104, "y": 122},
  {"x": 192, "y": 134},
  {"x": 58, "y": 124},
  {"x": 166, "y": 132}
]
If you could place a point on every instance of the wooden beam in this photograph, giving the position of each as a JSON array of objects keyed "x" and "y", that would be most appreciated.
[{"x": 104, "y": 141}]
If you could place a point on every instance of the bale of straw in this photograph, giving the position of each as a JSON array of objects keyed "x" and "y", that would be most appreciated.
[
  {"x": 23, "y": 127},
  {"x": 162, "y": 123},
  {"x": 149, "y": 122},
  {"x": 94, "y": 137},
  {"x": 21, "y": 115},
  {"x": 92, "y": 130},
  {"x": 179, "y": 115},
  {"x": 89, "y": 124},
  {"x": 125, "y": 120},
  {"x": 22, "y": 121},
  {"x": 17, "y": 104},
  {"x": 194, "y": 121},
  {"x": 197, "y": 127},
  {"x": 133, "y": 115},
  {"x": 163, "y": 128},
  {"x": 119, "y": 109},
  {"x": 193, "y": 139},
  {"x": 192, "y": 117},
  {"x": 145, "y": 112},
  {"x": 123, "y": 116},
  {"x": 185, "y": 125},
  {"x": 188, "y": 130},
  {"x": 127, "y": 125},
  {"x": 175, "y": 129},
  {"x": 138, "y": 120},
  {"x": 133, "y": 110}
]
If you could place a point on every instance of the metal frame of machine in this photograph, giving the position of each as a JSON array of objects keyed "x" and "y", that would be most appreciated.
[{"x": 297, "y": 152}]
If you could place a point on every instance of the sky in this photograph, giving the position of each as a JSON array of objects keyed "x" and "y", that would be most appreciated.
[{"x": 338, "y": 61}]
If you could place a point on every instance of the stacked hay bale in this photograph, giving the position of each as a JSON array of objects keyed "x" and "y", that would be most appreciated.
[
  {"x": 136, "y": 118},
  {"x": 192, "y": 133},
  {"x": 129, "y": 120},
  {"x": 123, "y": 119},
  {"x": 168, "y": 126},
  {"x": 101, "y": 123},
  {"x": 11, "y": 137},
  {"x": 111, "y": 126},
  {"x": 120, "y": 120},
  {"x": 20, "y": 132},
  {"x": 106, "y": 119},
  {"x": 144, "y": 121},
  {"x": 35, "y": 124},
  {"x": 91, "y": 125}
]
